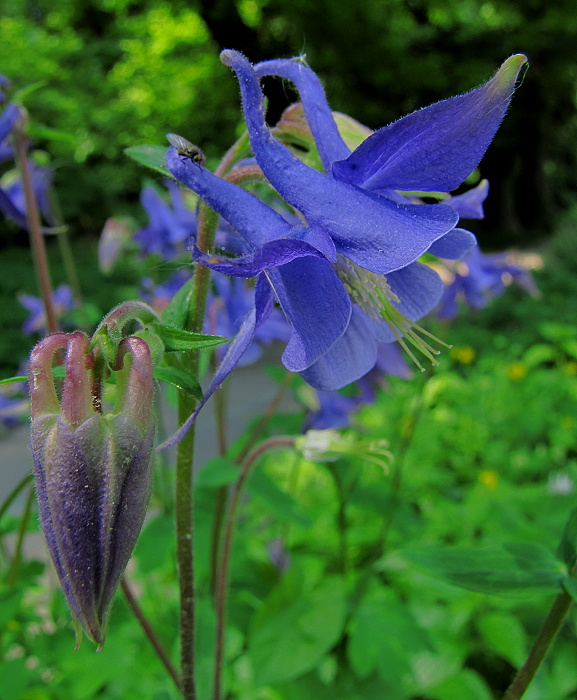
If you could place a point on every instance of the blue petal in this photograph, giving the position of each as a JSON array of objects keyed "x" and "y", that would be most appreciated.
[
  {"x": 418, "y": 287},
  {"x": 273, "y": 254},
  {"x": 316, "y": 305},
  {"x": 254, "y": 318},
  {"x": 348, "y": 360},
  {"x": 253, "y": 219},
  {"x": 8, "y": 119},
  {"x": 454, "y": 245},
  {"x": 375, "y": 232},
  {"x": 435, "y": 148},
  {"x": 321, "y": 122},
  {"x": 469, "y": 205}
]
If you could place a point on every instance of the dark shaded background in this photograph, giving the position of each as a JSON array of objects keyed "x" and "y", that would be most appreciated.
[{"x": 118, "y": 73}]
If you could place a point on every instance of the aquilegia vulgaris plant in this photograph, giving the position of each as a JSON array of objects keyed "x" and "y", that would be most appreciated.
[{"x": 325, "y": 237}]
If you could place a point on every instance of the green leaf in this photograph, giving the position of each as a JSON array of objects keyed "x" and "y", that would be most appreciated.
[
  {"x": 150, "y": 156},
  {"x": 180, "y": 379},
  {"x": 280, "y": 503},
  {"x": 176, "y": 339},
  {"x": 504, "y": 635},
  {"x": 465, "y": 684},
  {"x": 155, "y": 546},
  {"x": 382, "y": 636},
  {"x": 567, "y": 550},
  {"x": 570, "y": 586},
  {"x": 516, "y": 569},
  {"x": 39, "y": 131},
  {"x": 217, "y": 472},
  {"x": 178, "y": 308},
  {"x": 539, "y": 353},
  {"x": 291, "y": 636}
]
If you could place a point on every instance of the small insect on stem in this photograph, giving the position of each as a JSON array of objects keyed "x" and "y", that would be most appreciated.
[{"x": 185, "y": 149}]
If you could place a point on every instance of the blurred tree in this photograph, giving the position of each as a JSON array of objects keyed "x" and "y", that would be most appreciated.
[{"x": 124, "y": 72}]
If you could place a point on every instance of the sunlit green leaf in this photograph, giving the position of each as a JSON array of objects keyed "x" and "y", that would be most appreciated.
[
  {"x": 516, "y": 569},
  {"x": 150, "y": 156}
]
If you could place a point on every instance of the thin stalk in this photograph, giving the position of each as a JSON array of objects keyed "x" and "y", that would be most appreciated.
[
  {"x": 545, "y": 639},
  {"x": 14, "y": 493},
  {"x": 66, "y": 253},
  {"x": 150, "y": 633},
  {"x": 184, "y": 466},
  {"x": 222, "y": 576},
  {"x": 223, "y": 490},
  {"x": 34, "y": 226},
  {"x": 17, "y": 558}
]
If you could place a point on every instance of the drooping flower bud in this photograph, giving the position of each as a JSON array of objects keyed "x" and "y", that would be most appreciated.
[{"x": 93, "y": 474}]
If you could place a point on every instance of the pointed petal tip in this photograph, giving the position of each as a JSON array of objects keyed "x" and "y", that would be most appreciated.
[{"x": 508, "y": 72}]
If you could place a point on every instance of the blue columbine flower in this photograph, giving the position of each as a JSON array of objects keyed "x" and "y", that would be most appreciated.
[
  {"x": 63, "y": 300},
  {"x": 168, "y": 227},
  {"x": 480, "y": 277},
  {"x": 347, "y": 278}
]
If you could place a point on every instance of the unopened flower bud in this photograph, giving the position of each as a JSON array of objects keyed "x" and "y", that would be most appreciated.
[{"x": 93, "y": 474}]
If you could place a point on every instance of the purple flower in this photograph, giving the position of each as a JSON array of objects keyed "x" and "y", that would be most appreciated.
[
  {"x": 227, "y": 309},
  {"x": 478, "y": 278},
  {"x": 347, "y": 277},
  {"x": 92, "y": 470},
  {"x": 168, "y": 227},
  {"x": 159, "y": 295},
  {"x": 63, "y": 301}
]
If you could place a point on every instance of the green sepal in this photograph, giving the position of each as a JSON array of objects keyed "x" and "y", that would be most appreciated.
[
  {"x": 512, "y": 570},
  {"x": 180, "y": 379},
  {"x": 176, "y": 313},
  {"x": 567, "y": 550},
  {"x": 176, "y": 339},
  {"x": 111, "y": 330},
  {"x": 153, "y": 157}
]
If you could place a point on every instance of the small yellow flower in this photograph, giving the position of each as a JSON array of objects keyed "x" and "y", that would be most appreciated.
[
  {"x": 465, "y": 355},
  {"x": 567, "y": 422},
  {"x": 517, "y": 371},
  {"x": 489, "y": 478}
]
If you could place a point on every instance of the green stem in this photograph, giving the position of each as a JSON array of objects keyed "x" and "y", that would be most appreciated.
[
  {"x": 14, "y": 493},
  {"x": 207, "y": 221},
  {"x": 545, "y": 638},
  {"x": 150, "y": 633},
  {"x": 34, "y": 226},
  {"x": 17, "y": 558},
  {"x": 222, "y": 575}
]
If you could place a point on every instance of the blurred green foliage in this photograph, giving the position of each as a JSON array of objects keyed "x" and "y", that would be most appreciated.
[
  {"x": 485, "y": 456},
  {"x": 123, "y": 72}
]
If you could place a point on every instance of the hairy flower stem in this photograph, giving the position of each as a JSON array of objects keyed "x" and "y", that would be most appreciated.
[
  {"x": 184, "y": 466},
  {"x": 150, "y": 633},
  {"x": 545, "y": 639},
  {"x": 207, "y": 223},
  {"x": 34, "y": 227},
  {"x": 222, "y": 575}
]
